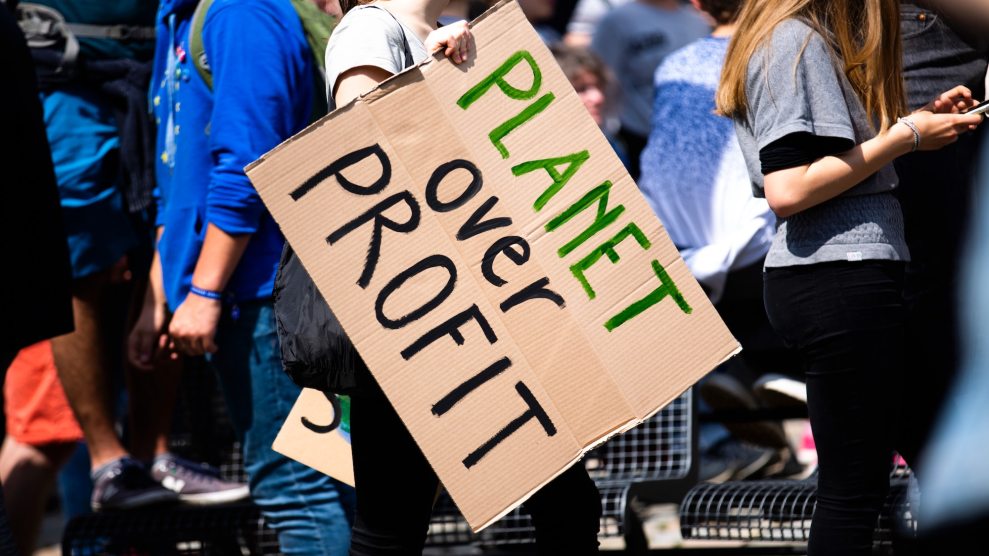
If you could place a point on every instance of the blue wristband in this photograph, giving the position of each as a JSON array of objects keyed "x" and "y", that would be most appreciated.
[{"x": 209, "y": 294}]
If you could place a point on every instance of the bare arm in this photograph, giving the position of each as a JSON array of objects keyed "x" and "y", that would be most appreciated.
[
  {"x": 357, "y": 81},
  {"x": 218, "y": 258},
  {"x": 148, "y": 332},
  {"x": 793, "y": 190},
  {"x": 454, "y": 40},
  {"x": 193, "y": 327}
]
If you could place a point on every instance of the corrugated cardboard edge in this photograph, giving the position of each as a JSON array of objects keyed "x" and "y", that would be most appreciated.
[
  {"x": 412, "y": 74},
  {"x": 606, "y": 437},
  {"x": 527, "y": 496},
  {"x": 392, "y": 82}
]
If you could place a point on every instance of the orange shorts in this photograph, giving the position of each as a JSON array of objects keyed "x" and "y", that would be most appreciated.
[{"x": 37, "y": 411}]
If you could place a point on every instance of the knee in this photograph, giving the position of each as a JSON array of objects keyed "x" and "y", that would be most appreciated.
[{"x": 371, "y": 537}]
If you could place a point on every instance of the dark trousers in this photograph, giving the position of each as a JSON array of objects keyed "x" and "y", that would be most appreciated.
[
  {"x": 847, "y": 321},
  {"x": 396, "y": 488},
  {"x": 743, "y": 308},
  {"x": 634, "y": 145}
]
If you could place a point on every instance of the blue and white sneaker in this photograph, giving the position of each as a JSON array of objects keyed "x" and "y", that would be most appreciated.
[{"x": 196, "y": 483}]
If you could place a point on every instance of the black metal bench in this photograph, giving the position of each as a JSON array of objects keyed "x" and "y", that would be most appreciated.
[
  {"x": 180, "y": 530},
  {"x": 654, "y": 462},
  {"x": 780, "y": 510},
  {"x": 184, "y": 530}
]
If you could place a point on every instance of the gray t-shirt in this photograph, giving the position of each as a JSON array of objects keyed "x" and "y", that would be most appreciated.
[
  {"x": 588, "y": 13},
  {"x": 370, "y": 36},
  {"x": 796, "y": 84},
  {"x": 633, "y": 39}
]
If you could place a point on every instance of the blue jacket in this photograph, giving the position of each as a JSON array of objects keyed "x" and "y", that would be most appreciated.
[{"x": 262, "y": 86}]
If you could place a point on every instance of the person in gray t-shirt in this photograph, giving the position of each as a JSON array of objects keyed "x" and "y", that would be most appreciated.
[
  {"x": 633, "y": 39},
  {"x": 807, "y": 127},
  {"x": 373, "y": 38}
]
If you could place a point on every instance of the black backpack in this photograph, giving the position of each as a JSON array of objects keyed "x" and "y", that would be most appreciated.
[{"x": 316, "y": 352}]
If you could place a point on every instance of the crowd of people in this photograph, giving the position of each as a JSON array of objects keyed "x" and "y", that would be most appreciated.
[{"x": 811, "y": 160}]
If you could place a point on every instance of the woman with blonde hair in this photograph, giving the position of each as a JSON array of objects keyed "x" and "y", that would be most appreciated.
[{"x": 816, "y": 91}]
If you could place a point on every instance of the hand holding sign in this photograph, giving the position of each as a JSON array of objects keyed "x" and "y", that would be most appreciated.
[
  {"x": 453, "y": 40},
  {"x": 458, "y": 221}
]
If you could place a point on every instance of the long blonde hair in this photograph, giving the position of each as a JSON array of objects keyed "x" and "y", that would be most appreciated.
[{"x": 864, "y": 33}]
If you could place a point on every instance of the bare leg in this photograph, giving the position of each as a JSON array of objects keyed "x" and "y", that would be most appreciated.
[
  {"x": 152, "y": 394},
  {"x": 6, "y": 539},
  {"x": 28, "y": 474},
  {"x": 83, "y": 364},
  {"x": 152, "y": 403}
]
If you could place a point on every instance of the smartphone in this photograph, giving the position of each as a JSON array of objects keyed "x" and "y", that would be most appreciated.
[{"x": 980, "y": 108}]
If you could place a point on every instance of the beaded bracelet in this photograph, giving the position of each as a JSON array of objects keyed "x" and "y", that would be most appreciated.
[{"x": 916, "y": 132}]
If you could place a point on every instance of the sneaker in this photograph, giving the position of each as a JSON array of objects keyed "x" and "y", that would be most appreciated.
[
  {"x": 725, "y": 393},
  {"x": 749, "y": 461},
  {"x": 732, "y": 459},
  {"x": 196, "y": 483},
  {"x": 714, "y": 468},
  {"x": 124, "y": 484},
  {"x": 784, "y": 465},
  {"x": 781, "y": 391}
]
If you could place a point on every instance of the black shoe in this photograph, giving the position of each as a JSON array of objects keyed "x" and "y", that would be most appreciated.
[
  {"x": 784, "y": 465},
  {"x": 725, "y": 393},
  {"x": 714, "y": 469},
  {"x": 781, "y": 391},
  {"x": 125, "y": 484},
  {"x": 732, "y": 459}
]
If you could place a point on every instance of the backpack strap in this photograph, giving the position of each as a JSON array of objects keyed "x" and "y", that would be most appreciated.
[
  {"x": 114, "y": 32},
  {"x": 196, "y": 49},
  {"x": 409, "y": 61},
  {"x": 316, "y": 25},
  {"x": 45, "y": 27}
]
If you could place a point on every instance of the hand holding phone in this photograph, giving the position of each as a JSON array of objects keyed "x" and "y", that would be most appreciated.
[{"x": 980, "y": 108}]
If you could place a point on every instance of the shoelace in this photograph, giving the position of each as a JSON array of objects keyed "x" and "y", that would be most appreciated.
[{"x": 183, "y": 469}]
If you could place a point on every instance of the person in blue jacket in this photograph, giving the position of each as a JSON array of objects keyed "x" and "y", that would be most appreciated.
[{"x": 218, "y": 246}]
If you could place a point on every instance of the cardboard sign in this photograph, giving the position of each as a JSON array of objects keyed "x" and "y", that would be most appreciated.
[
  {"x": 494, "y": 264},
  {"x": 317, "y": 433}
]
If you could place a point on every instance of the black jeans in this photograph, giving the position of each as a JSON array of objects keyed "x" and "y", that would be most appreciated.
[
  {"x": 846, "y": 320},
  {"x": 742, "y": 307},
  {"x": 396, "y": 488}
]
